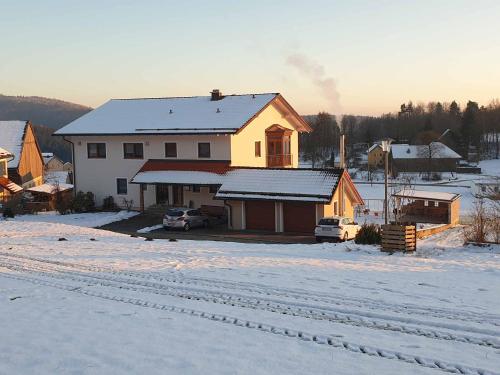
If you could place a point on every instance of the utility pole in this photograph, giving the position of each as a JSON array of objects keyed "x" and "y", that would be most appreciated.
[{"x": 385, "y": 149}]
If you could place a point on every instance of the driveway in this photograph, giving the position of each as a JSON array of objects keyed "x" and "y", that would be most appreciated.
[{"x": 214, "y": 233}]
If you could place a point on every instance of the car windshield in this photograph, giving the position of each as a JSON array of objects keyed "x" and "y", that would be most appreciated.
[
  {"x": 175, "y": 213},
  {"x": 329, "y": 222}
]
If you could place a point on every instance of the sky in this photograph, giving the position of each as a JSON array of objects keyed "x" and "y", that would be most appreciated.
[{"x": 344, "y": 57}]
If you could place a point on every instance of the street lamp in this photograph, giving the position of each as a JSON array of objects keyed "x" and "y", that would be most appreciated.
[{"x": 386, "y": 147}]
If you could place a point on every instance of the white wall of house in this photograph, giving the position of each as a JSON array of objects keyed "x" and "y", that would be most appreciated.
[{"x": 99, "y": 175}]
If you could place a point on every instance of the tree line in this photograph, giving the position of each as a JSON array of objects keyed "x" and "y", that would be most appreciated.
[{"x": 472, "y": 131}]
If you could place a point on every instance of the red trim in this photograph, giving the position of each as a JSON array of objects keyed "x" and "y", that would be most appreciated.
[
  {"x": 347, "y": 178},
  {"x": 213, "y": 166}
]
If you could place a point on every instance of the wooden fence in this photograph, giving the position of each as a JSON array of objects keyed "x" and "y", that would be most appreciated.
[{"x": 399, "y": 237}]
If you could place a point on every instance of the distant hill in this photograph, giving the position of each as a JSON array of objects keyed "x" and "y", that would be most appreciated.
[{"x": 47, "y": 115}]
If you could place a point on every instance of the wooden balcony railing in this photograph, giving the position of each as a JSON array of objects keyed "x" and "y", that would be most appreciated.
[{"x": 280, "y": 160}]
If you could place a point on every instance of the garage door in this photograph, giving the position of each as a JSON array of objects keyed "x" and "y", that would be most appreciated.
[
  {"x": 299, "y": 217},
  {"x": 259, "y": 215}
]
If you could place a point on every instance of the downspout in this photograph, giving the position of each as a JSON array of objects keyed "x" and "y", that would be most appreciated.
[
  {"x": 230, "y": 209},
  {"x": 73, "y": 162}
]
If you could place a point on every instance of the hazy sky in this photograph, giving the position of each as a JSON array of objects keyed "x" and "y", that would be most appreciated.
[{"x": 362, "y": 57}]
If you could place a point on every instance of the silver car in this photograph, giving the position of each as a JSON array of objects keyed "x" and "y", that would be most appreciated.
[{"x": 184, "y": 218}]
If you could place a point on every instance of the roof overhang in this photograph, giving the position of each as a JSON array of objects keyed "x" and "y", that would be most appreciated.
[
  {"x": 427, "y": 195},
  {"x": 178, "y": 178},
  {"x": 10, "y": 186}
]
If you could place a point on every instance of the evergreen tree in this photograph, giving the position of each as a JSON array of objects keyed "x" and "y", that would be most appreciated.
[{"x": 469, "y": 123}]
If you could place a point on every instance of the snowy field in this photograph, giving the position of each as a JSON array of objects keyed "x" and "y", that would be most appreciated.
[{"x": 105, "y": 303}]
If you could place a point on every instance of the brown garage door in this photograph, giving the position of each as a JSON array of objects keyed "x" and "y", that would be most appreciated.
[
  {"x": 259, "y": 215},
  {"x": 299, "y": 217}
]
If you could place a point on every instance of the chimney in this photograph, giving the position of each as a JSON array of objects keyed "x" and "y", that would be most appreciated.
[
  {"x": 342, "y": 151},
  {"x": 216, "y": 95}
]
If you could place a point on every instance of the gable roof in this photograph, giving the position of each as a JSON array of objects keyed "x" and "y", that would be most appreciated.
[
  {"x": 12, "y": 139},
  {"x": 179, "y": 115},
  {"x": 438, "y": 151}
]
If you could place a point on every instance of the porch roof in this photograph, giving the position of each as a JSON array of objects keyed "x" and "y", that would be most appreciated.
[
  {"x": 284, "y": 184},
  {"x": 178, "y": 177}
]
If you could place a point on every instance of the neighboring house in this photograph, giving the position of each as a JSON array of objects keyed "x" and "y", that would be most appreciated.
[
  {"x": 180, "y": 151},
  {"x": 52, "y": 162},
  {"x": 7, "y": 187},
  {"x": 435, "y": 157},
  {"x": 26, "y": 167},
  {"x": 375, "y": 157}
]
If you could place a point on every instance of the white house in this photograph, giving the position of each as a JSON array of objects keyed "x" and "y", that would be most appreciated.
[{"x": 181, "y": 150}]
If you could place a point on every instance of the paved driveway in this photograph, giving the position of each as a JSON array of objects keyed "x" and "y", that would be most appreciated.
[{"x": 214, "y": 233}]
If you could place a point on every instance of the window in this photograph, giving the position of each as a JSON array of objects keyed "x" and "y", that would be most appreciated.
[
  {"x": 121, "y": 186},
  {"x": 213, "y": 189},
  {"x": 196, "y": 188},
  {"x": 204, "y": 150},
  {"x": 133, "y": 151},
  {"x": 257, "y": 149},
  {"x": 96, "y": 150},
  {"x": 436, "y": 204},
  {"x": 170, "y": 150},
  {"x": 426, "y": 203},
  {"x": 335, "y": 208}
]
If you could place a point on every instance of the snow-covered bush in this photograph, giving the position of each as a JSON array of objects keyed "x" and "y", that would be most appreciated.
[{"x": 369, "y": 234}]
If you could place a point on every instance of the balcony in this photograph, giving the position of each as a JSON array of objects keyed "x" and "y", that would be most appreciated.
[{"x": 279, "y": 160}]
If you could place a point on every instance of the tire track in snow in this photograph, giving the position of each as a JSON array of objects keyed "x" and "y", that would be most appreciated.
[
  {"x": 278, "y": 306},
  {"x": 330, "y": 299},
  {"x": 318, "y": 339}
]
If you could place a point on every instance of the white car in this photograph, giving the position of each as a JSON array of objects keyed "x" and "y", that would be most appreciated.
[
  {"x": 336, "y": 228},
  {"x": 184, "y": 218}
]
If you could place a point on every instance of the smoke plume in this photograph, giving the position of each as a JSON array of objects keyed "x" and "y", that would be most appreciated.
[{"x": 315, "y": 72}]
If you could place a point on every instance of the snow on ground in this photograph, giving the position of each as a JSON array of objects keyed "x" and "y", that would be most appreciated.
[
  {"x": 103, "y": 302},
  {"x": 91, "y": 220},
  {"x": 150, "y": 229}
]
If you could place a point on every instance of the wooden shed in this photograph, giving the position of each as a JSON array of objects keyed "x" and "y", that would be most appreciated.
[
  {"x": 45, "y": 196},
  {"x": 421, "y": 206}
]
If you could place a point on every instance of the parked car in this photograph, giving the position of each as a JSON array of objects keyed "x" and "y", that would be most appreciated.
[
  {"x": 184, "y": 218},
  {"x": 336, "y": 228}
]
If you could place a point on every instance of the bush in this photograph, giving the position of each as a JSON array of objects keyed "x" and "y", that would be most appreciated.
[
  {"x": 84, "y": 202},
  {"x": 369, "y": 234},
  {"x": 8, "y": 212},
  {"x": 108, "y": 204}
]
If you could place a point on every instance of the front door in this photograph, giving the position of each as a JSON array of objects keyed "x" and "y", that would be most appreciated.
[
  {"x": 161, "y": 194},
  {"x": 178, "y": 191}
]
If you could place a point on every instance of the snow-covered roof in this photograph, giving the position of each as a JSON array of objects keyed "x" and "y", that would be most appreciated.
[
  {"x": 50, "y": 188},
  {"x": 430, "y": 195},
  {"x": 9, "y": 185},
  {"x": 374, "y": 147},
  {"x": 178, "y": 177},
  {"x": 283, "y": 184},
  {"x": 12, "y": 134},
  {"x": 182, "y": 115},
  {"x": 4, "y": 153},
  {"x": 438, "y": 150}
]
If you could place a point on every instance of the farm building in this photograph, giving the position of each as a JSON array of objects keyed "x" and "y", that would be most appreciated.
[
  {"x": 428, "y": 206},
  {"x": 435, "y": 157}
]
